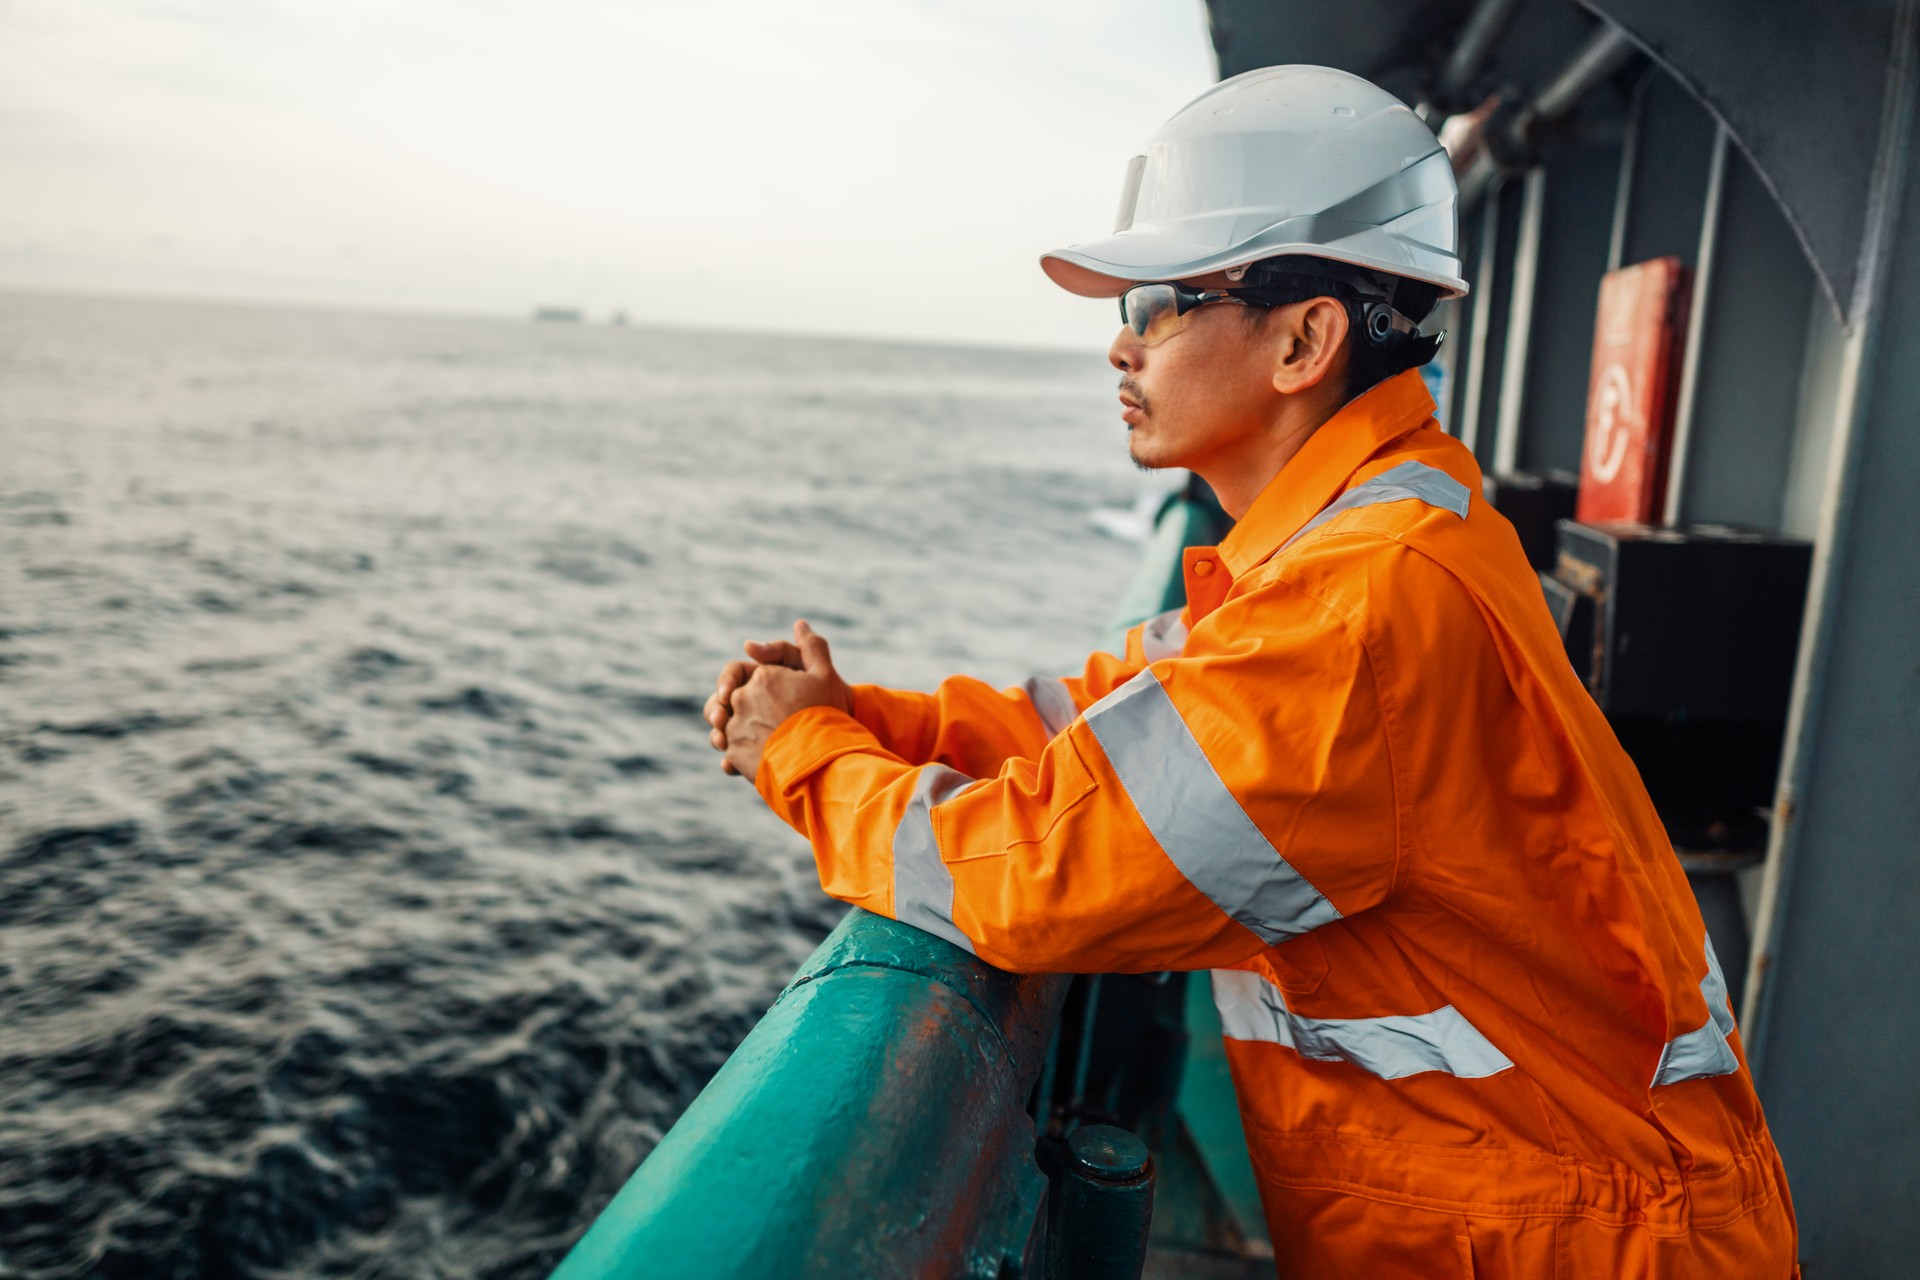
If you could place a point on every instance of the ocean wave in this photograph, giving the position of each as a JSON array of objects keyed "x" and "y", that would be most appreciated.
[{"x": 372, "y": 899}]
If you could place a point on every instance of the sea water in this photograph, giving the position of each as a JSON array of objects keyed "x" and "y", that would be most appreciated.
[{"x": 370, "y": 900}]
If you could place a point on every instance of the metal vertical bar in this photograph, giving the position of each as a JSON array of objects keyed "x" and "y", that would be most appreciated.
[
  {"x": 1043, "y": 1091},
  {"x": 1446, "y": 318},
  {"x": 1687, "y": 398},
  {"x": 1483, "y": 285},
  {"x": 1629, "y": 157},
  {"x": 1836, "y": 509},
  {"x": 1083, "y": 1062},
  {"x": 1526, "y": 273}
]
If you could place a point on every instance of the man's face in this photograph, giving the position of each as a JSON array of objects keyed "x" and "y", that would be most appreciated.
[{"x": 1200, "y": 395}]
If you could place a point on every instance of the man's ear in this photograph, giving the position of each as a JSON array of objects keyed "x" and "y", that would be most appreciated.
[{"x": 1311, "y": 337}]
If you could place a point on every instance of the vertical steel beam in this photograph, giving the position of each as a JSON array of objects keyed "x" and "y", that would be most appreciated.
[
  {"x": 1747, "y": 352},
  {"x": 1571, "y": 258},
  {"x": 1629, "y": 159},
  {"x": 1491, "y": 330},
  {"x": 1665, "y": 188},
  {"x": 1829, "y": 1025},
  {"x": 1473, "y": 386},
  {"x": 1450, "y": 318},
  {"x": 1456, "y": 317},
  {"x": 1697, "y": 319},
  {"x": 1862, "y": 358},
  {"x": 1823, "y": 357},
  {"x": 1526, "y": 275}
]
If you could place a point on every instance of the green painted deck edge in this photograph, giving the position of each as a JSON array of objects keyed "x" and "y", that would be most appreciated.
[{"x": 1211, "y": 1110}]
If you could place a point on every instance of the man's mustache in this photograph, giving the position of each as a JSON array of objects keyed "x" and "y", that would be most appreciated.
[{"x": 1131, "y": 390}]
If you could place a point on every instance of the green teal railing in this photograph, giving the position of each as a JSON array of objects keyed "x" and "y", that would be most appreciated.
[{"x": 874, "y": 1123}]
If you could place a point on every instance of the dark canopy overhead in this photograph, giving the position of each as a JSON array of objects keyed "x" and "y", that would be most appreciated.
[
  {"x": 1390, "y": 42},
  {"x": 1800, "y": 86}
]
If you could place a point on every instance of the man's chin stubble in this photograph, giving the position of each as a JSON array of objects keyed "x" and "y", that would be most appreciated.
[{"x": 1133, "y": 455}]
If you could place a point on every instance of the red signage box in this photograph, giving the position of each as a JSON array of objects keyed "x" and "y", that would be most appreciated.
[{"x": 1637, "y": 341}]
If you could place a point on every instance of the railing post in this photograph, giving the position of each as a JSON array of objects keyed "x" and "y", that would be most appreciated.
[{"x": 1103, "y": 1206}]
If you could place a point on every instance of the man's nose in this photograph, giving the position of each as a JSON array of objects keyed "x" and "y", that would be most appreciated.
[{"x": 1126, "y": 350}]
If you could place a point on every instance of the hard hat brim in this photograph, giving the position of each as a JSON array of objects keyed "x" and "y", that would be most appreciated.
[{"x": 1107, "y": 268}]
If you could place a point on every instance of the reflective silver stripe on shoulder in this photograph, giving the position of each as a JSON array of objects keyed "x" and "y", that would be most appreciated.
[
  {"x": 1696, "y": 1054},
  {"x": 1164, "y": 636},
  {"x": 1408, "y": 480},
  {"x": 1051, "y": 702},
  {"x": 1251, "y": 1008},
  {"x": 1195, "y": 819},
  {"x": 922, "y": 885}
]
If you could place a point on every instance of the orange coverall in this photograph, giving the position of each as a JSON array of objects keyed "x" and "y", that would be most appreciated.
[{"x": 1473, "y": 1017}]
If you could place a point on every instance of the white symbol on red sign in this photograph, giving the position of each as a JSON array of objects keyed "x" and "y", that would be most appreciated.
[{"x": 1613, "y": 423}]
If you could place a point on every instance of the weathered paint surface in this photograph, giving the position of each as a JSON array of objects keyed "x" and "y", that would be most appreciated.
[{"x": 873, "y": 1123}]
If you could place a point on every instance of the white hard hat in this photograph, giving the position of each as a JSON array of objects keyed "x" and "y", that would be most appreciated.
[{"x": 1282, "y": 160}]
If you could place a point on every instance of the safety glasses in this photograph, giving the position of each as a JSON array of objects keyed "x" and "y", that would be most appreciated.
[{"x": 1155, "y": 312}]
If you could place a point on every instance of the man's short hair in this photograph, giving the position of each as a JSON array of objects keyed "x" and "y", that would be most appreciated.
[{"x": 1370, "y": 360}]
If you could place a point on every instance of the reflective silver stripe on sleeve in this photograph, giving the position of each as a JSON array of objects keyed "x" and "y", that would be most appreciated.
[
  {"x": 1408, "y": 480},
  {"x": 1195, "y": 819},
  {"x": 1164, "y": 636},
  {"x": 922, "y": 885},
  {"x": 1695, "y": 1054},
  {"x": 1251, "y": 1008},
  {"x": 1051, "y": 702}
]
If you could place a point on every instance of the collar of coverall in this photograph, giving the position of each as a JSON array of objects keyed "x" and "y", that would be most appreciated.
[{"x": 1320, "y": 472}]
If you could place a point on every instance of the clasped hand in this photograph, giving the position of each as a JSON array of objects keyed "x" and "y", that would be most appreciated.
[{"x": 751, "y": 699}]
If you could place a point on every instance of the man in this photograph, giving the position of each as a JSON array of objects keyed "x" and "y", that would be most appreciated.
[{"x": 1475, "y": 1023}]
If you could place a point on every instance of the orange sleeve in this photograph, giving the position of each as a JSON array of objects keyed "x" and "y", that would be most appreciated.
[
  {"x": 968, "y": 725},
  {"x": 965, "y": 724},
  {"x": 1207, "y": 806}
]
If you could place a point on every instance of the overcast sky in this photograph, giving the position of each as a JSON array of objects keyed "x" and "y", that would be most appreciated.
[{"x": 888, "y": 167}]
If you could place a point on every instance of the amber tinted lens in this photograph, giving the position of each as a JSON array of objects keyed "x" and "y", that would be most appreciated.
[{"x": 1151, "y": 310}]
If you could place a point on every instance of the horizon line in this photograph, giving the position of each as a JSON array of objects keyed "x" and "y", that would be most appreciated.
[{"x": 588, "y": 319}]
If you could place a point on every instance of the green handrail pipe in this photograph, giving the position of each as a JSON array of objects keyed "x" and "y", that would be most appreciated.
[{"x": 874, "y": 1123}]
